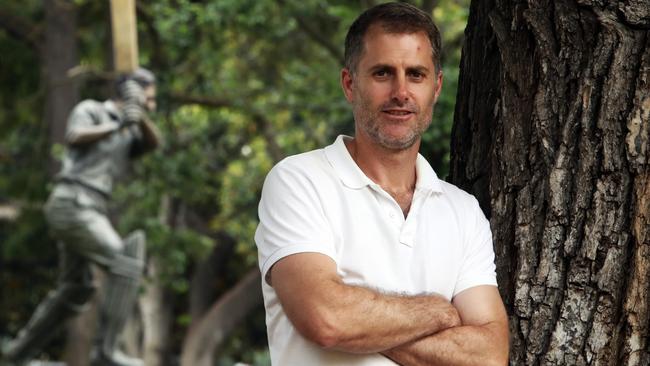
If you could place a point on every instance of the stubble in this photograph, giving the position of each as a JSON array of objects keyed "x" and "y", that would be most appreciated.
[{"x": 374, "y": 124}]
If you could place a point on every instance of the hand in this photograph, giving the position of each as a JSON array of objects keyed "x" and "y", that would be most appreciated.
[
  {"x": 133, "y": 113},
  {"x": 132, "y": 92}
]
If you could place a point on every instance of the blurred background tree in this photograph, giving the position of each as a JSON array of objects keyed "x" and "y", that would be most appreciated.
[{"x": 242, "y": 83}]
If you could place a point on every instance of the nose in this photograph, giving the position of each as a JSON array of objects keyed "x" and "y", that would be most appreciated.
[{"x": 400, "y": 91}]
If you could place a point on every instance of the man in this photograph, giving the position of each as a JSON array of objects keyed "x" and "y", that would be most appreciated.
[
  {"x": 367, "y": 257},
  {"x": 102, "y": 138}
]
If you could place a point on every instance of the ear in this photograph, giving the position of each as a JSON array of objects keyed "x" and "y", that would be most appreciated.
[
  {"x": 438, "y": 87},
  {"x": 346, "y": 84}
]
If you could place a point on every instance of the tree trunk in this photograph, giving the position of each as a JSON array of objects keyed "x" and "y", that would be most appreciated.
[
  {"x": 203, "y": 286},
  {"x": 213, "y": 321},
  {"x": 155, "y": 304},
  {"x": 81, "y": 329},
  {"x": 551, "y": 135},
  {"x": 58, "y": 56},
  {"x": 207, "y": 334},
  {"x": 156, "y": 315}
]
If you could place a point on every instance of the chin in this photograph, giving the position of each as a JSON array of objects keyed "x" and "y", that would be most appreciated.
[{"x": 397, "y": 144}]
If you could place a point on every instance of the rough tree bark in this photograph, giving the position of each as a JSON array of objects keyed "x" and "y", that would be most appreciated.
[{"x": 551, "y": 134}]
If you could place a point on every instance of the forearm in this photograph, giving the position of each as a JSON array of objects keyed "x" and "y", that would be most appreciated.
[
  {"x": 150, "y": 134},
  {"x": 460, "y": 346},
  {"x": 335, "y": 315},
  {"x": 360, "y": 320},
  {"x": 84, "y": 135}
]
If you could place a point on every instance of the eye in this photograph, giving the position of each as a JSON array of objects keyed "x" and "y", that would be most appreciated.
[
  {"x": 416, "y": 75},
  {"x": 381, "y": 73}
]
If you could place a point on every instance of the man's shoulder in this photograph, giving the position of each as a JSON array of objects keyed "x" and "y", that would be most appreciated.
[
  {"x": 310, "y": 162},
  {"x": 457, "y": 196},
  {"x": 305, "y": 169},
  {"x": 88, "y": 107},
  {"x": 453, "y": 190},
  {"x": 90, "y": 104}
]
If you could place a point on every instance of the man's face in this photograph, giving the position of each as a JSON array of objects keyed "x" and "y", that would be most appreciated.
[
  {"x": 393, "y": 89},
  {"x": 150, "y": 98}
]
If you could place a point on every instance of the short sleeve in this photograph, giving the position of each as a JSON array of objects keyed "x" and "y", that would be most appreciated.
[
  {"x": 82, "y": 116},
  {"x": 291, "y": 216},
  {"x": 478, "y": 266}
]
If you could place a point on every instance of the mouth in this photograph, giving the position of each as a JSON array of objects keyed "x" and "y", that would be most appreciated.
[{"x": 398, "y": 113}]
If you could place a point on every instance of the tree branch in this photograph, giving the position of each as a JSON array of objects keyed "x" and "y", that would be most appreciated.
[
  {"x": 9, "y": 212},
  {"x": 272, "y": 146},
  {"x": 159, "y": 60},
  {"x": 86, "y": 72},
  {"x": 21, "y": 30},
  {"x": 317, "y": 35},
  {"x": 261, "y": 122},
  {"x": 211, "y": 102},
  {"x": 215, "y": 102},
  {"x": 318, "y": 38},
  {"x": 210, "y": 332}
]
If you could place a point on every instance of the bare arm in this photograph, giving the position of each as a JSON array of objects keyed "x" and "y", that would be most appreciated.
[
  {"x": 84, "y": 134},
  {"x": 353, "y": 319},
  {"x": 150, "y": 134},
  {"x": 481, "y": 340}
]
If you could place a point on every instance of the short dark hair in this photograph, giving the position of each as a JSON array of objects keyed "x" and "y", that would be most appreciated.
[
  {"x": 393, "y": 18},
  {"x": 141, "y": 76}
]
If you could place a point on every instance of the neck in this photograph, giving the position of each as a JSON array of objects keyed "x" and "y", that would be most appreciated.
[{"x": 393, "y": 170}]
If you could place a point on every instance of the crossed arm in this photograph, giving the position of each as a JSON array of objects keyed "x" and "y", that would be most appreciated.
[
  {"x": 482, "y": 339},
  {"x": 410, "y": 330}
]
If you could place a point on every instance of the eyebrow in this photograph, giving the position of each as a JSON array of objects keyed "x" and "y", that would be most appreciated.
[{"x": 418, "y": 68}]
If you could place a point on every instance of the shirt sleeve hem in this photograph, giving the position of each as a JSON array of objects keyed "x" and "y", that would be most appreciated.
[
  {"x": 293, "y": 249},
  {"x": 489, "y": 280}
]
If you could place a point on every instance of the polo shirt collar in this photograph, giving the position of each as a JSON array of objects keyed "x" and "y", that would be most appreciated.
[
  {"x": 427, "y": 180},
  {"x": 353, "y": 177},
  {"x": 344, "y": 166}
]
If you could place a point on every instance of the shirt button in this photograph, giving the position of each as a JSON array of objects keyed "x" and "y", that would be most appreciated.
[{"x": 392, "y": 215}]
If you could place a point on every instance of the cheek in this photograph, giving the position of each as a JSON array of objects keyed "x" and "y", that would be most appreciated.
[
  {"x": 426, "y": 96},
  {"x": 376, "y": 94}
]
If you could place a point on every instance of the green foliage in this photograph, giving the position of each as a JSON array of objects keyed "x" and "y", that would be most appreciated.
[
  {"x": 267, "y": 73},
  {"x": 450, "y": 17}
]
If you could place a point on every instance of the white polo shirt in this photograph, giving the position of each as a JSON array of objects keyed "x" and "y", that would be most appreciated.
[{"x": 321, "y": 201}]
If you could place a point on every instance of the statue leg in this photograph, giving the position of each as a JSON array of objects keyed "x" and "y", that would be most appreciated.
[
  {"x": 120, "y": 295},
  {"x": 123, "y": 261},
  {"x": 88, "y": 236},
  {"x": 75, "y": 288}
]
